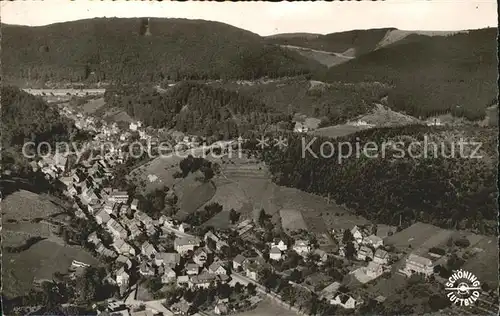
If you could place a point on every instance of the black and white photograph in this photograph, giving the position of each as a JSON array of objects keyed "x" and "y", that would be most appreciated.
[{"x": 203, "y": 158}]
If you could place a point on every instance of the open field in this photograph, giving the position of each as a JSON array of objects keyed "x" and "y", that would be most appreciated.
[
  {"x": 338, "y": 130},
  {"x": 93, "y": 105},
  {"x": 420, "y": 236},
  {"x": 485, "y": 263},
  {"x": 292, "y": 220},
  {"x": 25, "y": 205},
  {"x": 162, "y": 167},
  {"x": 194, "y": 198},
  {"x": 40, "y": 261},
  {"x": 267, "y": 308}
]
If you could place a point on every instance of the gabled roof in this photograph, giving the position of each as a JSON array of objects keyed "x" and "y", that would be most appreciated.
[
  {"x": 239, "y": 259},
  {"x": 381, "y": 253},
  {"x": 275, "y": 250},
  {"x": 214, "y": 266}
]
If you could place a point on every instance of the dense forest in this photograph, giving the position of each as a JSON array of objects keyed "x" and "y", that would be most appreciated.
[
  {"x": 115, "y": 49},
  {"x": 432, "y": 75},
  {"x": 359, "y": 42},
  {"x": 29, "y": 118},
  {"x": 447, "y": 192},
  {"x": 334, "y": 103},
  {"x": 194, "y": 108}
]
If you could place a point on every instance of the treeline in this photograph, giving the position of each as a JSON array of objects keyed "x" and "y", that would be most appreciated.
[
  {"x": 447, "y": 192},
  {"x": 194, "y": 108},
  {"x": 113, "y": 49},
  {"x": 432, "y": 75}
]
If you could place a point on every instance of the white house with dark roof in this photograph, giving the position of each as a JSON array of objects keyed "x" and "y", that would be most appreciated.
[
  {"x": 217, "y": 268},
  {"x": 275, "y": 254}
]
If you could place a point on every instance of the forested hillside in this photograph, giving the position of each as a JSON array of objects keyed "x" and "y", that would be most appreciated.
[
  {"x": 432, "y": 75},
  {"x": 115, "y": 49},
  {"x": 29, "y": 118},
  {"x": 194, "y": 108},
  {"x": 358, "y": 42},
  {"x": 448, "y": 192},
  {"x": 333, "y": 103}
]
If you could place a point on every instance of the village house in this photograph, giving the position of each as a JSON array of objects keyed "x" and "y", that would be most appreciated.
[
  {"x": 166, "y": 259},
  {"x": 93, "y": 238},
  {"x": 122, "y": 247},
  {"x": 183, "y": 245},
  {"x": 251, "y": 271},
  {"x": 143, "y": 218},
  {"x": 200, "y": 256},
  {"x": 102, "y": 217},
  {"x": 238, "y": 262},
  {"x": 418, "y": 264},
  {"x": 166, "y": 221},
  {"x": 134, "y": 204},
  {"x": 126, "y": 261},
  {"x": 122, "y": 277},
  {"x": 183, "y": 227},
  {"x": 116, "y": 229},
  {"x": 302, "y": 247},
  {"x": 280, "y": 244},
  {"x": 181, "y": 308},
  {"x": 203, "y": 280},
  {"x": 148, "y": 250},
  {"x": 217, "y": 268},
  {"x": 219, "y": 243},
  {"x": 323, "y": 255},
  {"x": 365, "y": 252},
  {"x": 146, "y": 270},
  {"x": 345, "y": 301},
  {"x": 103, "y": 251},
  {"x": 381, "y": 257},
  {"x": 221, "y": 309},
  {"x": 275, "y": 254},
  {"x": 374, "y": 270},
  {"x": 168, "y": 275},
  {"x": 373, "y": 241},
  {"x": 183, "y": 280},
  {"x": 192, "y": 269},
  {"x": 357, "y": 234},
  {"x": 118, "y": 196}
]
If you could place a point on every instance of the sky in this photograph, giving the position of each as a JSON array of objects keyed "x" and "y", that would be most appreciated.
[{"x": 271, "y": 18}]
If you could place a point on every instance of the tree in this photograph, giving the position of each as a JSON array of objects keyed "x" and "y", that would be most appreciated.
[
  {"x": 262, "y": 218},
  {"x": 233, "y": 216},
  {"x": 347, "y": 236},
  {"x": 251, "y": 289},
  {"x": 350, "y": 251},
  {"x": 438, "y": 302}
]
